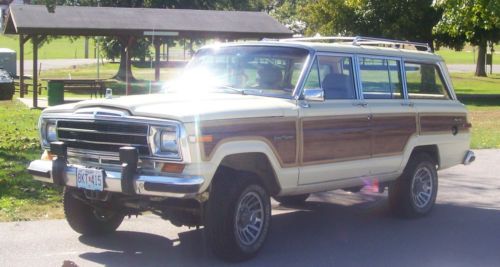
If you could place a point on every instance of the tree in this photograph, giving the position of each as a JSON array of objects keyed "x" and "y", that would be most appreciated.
[
  {"x": 473, "y": 21},
  {"x": 288, "y": 13},
  {"x": 411, "y": 19}
]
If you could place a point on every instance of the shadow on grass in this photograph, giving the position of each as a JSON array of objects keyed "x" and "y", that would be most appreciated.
[{"x": 490, "y": 100}]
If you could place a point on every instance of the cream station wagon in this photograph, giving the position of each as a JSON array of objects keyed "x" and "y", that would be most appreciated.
[{"x": 250, "y": 121}]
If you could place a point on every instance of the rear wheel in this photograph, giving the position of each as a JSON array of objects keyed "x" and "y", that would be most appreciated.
[
  {"x": 414, "y": 193},
  {"x": 292, "y": 200},
  {"x": 87, "y": 220},
  {"x": 237, "y": 218}
]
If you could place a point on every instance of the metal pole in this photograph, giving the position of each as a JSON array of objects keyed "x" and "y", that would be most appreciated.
[{"x": 35, "y": 71}]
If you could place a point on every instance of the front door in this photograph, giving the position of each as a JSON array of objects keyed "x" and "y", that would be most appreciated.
[{"x": 335, "y": 133}]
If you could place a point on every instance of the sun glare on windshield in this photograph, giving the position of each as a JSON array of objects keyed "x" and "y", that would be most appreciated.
[{"x": 253, "y": 69}]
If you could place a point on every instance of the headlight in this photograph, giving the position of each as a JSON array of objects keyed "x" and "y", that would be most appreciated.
[
  {"x": 164, "y": 141},
  {"x": 48, "y": 131}
]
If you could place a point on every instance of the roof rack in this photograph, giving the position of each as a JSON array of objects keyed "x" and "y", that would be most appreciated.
[{"x": 361, "y": 40}]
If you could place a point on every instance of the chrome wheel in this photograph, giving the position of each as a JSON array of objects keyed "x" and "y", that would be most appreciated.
[
  {"x": 249, "y": 221},
  {"x": 421, "y": 187}
]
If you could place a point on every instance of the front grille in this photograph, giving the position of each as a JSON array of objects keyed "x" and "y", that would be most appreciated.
[{"x": 103, "y": 135}]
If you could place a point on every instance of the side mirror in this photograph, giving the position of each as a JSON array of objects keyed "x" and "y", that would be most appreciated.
[{"x": 314, "y": 94}]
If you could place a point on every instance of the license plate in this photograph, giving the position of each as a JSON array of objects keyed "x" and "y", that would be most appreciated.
[{"x": 91, "y": 179}]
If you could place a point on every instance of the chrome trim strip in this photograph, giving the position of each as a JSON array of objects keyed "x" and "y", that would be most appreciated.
[
  {"x": 182, "y": 185},
  {"x": 100, "y": 143},
  {"x": 99, "y": 132}
]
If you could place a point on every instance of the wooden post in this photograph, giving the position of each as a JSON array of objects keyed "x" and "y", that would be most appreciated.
[
  {"x": 22, "y": 40},
  {"x": 157, "y": 45},
  {"x": 127, "y": 78},
  {"x": 21, "y": 65},
  {"x": 35, "y": 71}
]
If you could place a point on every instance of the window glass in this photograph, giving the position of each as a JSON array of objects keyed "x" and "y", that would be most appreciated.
[
  {"x": 312, "y": 81},
  {"x": 424, "y": 81},
  {"x": 334, "y": 75},
  {"x": 380, "y": 78}
]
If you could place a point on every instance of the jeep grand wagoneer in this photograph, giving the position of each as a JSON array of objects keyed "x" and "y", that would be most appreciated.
[{"x": 250, "y": 121}]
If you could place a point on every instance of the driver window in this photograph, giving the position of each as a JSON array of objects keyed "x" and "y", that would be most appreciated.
[{"x": 334, "y": 75}]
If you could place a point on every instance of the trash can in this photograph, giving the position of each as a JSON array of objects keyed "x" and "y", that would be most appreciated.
[{"x": 55, "y": 93}]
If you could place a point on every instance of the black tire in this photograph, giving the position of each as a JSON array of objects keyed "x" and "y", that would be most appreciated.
[
  {"x": 411, "y": 195},
  {"x": 292, "y": 200},
  {"x": 84, "y": 219},
  {"x": 229, "y": 191}
]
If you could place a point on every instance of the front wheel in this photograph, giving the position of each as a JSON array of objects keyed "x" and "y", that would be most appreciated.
[
  {"x": 237, "y": 218},
  {"x": 87, "y": 220},
  {"x": 414, "y": 193}
]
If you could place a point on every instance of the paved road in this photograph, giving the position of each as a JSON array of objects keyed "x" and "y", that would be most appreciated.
[
  {"x": 470, "y": 68},
  {"x": 333, "y": 229}
]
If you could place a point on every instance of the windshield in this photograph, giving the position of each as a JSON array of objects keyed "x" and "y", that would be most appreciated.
[{"x": 244, "y": 69}]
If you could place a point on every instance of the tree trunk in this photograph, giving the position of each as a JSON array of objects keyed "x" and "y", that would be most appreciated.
[
  {"x": 123, "y": 71},
  {"x": 481, "y": 59}
]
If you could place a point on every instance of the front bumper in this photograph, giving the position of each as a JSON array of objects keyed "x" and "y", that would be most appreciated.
[{"x": 127, "y": 181}]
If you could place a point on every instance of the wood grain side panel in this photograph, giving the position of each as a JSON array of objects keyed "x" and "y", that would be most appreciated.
[
  {"x": 336, "y": 139},
  {"x": 430, "y": 123},
  {"x": 280, "y": 135},
  {"x": 391, "y": 133}
]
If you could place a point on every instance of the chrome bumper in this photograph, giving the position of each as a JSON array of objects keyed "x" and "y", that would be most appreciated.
[
  {"x": 148, "y": 185},
  {"x": 469, "y": 157}
]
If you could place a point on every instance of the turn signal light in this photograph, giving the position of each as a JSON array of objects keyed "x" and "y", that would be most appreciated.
[
  {"x": 47, "y": 155},
  {"x": 172, "y": 168}
]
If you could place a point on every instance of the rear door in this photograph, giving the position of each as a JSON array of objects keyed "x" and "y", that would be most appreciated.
[{"x": 393, "y": 117}]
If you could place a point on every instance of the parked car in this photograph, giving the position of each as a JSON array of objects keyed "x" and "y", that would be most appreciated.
[
  {"x": 249, "y": 121},
  {"x": 6, "y": 85}
]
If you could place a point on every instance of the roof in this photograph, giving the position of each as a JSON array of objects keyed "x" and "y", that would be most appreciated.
[
  {"x": 6, "y": 50},
  {"x": 346, "y": 48},
  {"x": 113, "y": 21}
]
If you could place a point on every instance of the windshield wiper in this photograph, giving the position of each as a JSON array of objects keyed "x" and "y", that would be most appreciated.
[{"x": 227, "y": 87}]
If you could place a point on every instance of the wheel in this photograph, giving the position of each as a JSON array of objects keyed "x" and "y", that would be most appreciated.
[
  {"x": 6, "y": 91},
  {"x": 414, "y": 193},
  {"x": 292, "y": 200},
  {"x": 237, "y": 217},
  {"x": 85, "y": 219}
]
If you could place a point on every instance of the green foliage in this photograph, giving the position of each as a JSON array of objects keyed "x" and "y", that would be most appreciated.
[
  {"x": 288, "y": 13},
  {"x": 468, "y": 21},
  {"x": 18, "y": 146},
  {"x": 410, "y": 20}
]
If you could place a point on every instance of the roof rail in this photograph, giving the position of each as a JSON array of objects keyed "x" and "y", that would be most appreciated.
[{"x": 361, "y": 40}]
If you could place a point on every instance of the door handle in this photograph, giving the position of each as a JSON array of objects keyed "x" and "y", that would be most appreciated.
[
  {"x": 360, "y": 104},
  {"x": 407, "y": 104}
]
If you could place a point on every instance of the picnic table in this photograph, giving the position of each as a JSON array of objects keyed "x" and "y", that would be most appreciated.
[{"x": 56, "y": 88}]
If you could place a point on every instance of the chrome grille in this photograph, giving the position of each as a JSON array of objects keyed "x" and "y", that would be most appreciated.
[{"x": 103, "y": 135}]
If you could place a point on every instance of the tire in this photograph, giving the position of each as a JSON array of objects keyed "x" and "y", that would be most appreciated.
[
  {"x": 233, "y": 231},
  {"x": 85, "y": 220},
  {"x": 414, "y": 193},
  {"x": 292, "y": 200}
]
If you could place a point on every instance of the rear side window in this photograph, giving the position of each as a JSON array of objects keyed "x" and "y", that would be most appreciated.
[
  {"x": 424, "y": 81},
  {"x": 380, "y": 78}
]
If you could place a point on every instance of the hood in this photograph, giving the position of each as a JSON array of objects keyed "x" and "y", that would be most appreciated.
[{"x": 186, "y": 108}]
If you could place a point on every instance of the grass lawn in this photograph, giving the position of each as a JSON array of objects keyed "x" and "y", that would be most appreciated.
[
  {"x": 22, "y": 198},
  {"x": 466, "y": 56},
  {"x": 55, "y": 49},
  {"x": 467, "y": 83}
]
